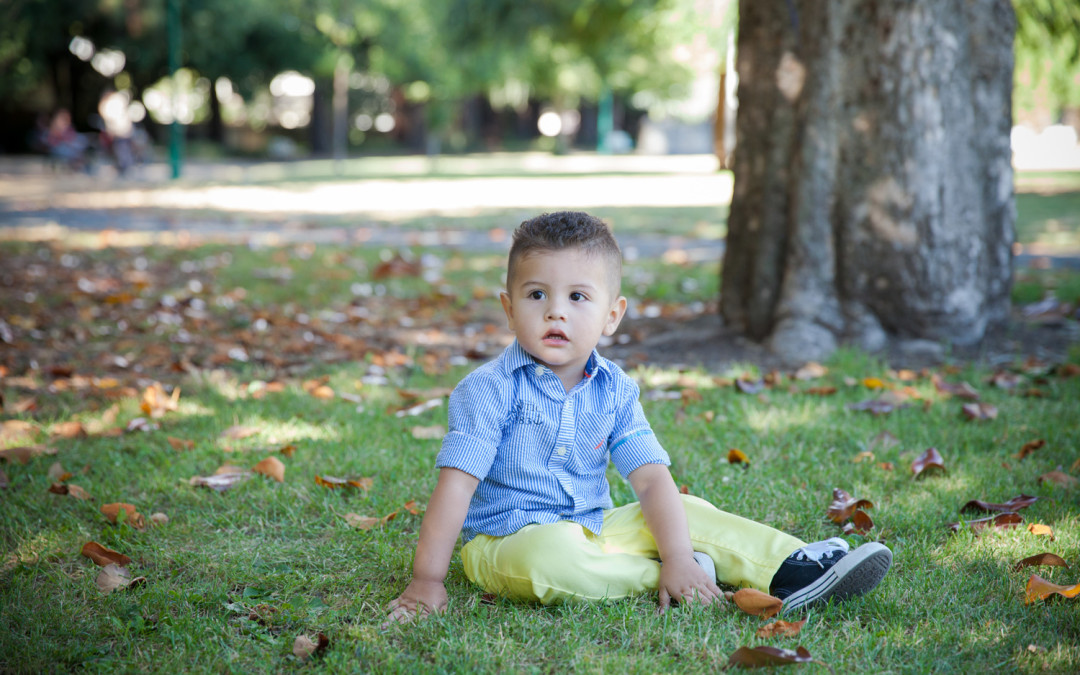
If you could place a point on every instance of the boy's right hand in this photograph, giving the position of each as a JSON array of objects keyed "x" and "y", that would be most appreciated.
[{"x": 419, "y": 599}]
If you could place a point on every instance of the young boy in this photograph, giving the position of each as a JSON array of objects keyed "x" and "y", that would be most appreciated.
[{"x": 522, "y": 469}]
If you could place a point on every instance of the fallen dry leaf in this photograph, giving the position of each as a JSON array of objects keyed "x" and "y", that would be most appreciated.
[
  {"x": 70, "y": 490},
  {"x": 69, "y": 429},
  {"x": 304, "y": 647},
  {"x": 1040, "y": 530},
  {"x": 736, "y": 456},
  {"x": 220, "y": 481},
  {"x": 757, "y": 603},
  {"x": 155, "y": 402},
  {"x": 875, "y": 406},
  {"x": 860, "y": 523},
  {"x": 131, "y": 516},
  {"x": 979, "y": 411},
  {"x": 419, "y": 409},
  {"x": 1000, "y": 521},
  {"x": 1058, "y": 478},
  {"x": 931, "y": 459},
  {"x": 821, "y": 391},
  {"x": 158, "y": 518},
  {"x": 1040, "y": 559},
  {"x": 748, "y": 386},
  {"x": 271, "y": 467},
  {"x": 811, "y": 371},
  {"x": 180, "y": 444},
  {"x": 238, "y": 432},
  {"x": 24, "y": 453},
  {"x": 16, "y": 430},
  {"x": 361, "y": 522},
  {"x": 780, "y": 629},
  {"x": 112, "y": 577},
  {"x": 104, "y": 556},
  {"x": 1014, "y": 504},
  {"x": 141, "y": 424},
  {"x": 768, "y": 657},
  {"x": 961, "y": 390},
  {"x": 864, "y": 456},
  {"x": 1040, "y": 589},
  {"x": 1030, "y": 447},
  {"x": 883, "y": 441},
  {"x": 334, "y": 483},
  {"x": 56, "y": 472},
  {"x": 844, "y": 505}
]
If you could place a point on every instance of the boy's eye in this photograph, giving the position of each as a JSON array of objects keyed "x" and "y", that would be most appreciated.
[
  {"x": 577, "y": 297},
  {"x": 536, "y": 295}
]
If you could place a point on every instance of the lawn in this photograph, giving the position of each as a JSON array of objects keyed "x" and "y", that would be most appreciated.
[{"x": 335, "y": 361}]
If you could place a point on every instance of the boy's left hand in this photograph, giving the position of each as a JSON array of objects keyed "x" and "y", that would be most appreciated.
[{"x": 683, "y": 580}]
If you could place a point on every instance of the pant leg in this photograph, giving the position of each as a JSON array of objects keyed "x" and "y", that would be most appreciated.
[
  {"x": 555, "y": 563},
  {"x": 746, "y": 553}
]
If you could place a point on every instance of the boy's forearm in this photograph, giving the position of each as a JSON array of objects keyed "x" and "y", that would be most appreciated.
[
  {"x": 442, "y": 524},
  {"x": 663, "y": 510}
]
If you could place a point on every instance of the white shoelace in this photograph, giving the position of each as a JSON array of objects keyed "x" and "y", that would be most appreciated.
[{"x": 819, "y": 549}]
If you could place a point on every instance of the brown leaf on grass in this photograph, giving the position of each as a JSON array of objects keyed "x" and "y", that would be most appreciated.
[
  {"x": 334, "y": 483},
  {"x": 821, "y": 391},
  {"x": 684, "y": 490},
  {"x": 768, "y": 657},
  {"x": 16, "y": 430},
  {"x": 873, "y": 383},
  {"x": 874, "y": 406},
  {"x": 70, "y": 490},
  {"x": 113, "y": 576},
  {"x": 757, "y": 603},
  {"x": 1040, "y": 589},
  {"x": 104, "y": 556},
  {"x": 1014, "y": 504},
  {"x": 419, "y": 408},
  {"x": 780, "y": 629},
  {"x": 1030, "y": 447},
  {"x": 180, "y": 444},
  {"x": 287, "y": 450},
  {"x": 272, "y": 467},
  {"x": 155, "y": 402},
  {"x": 69, "y": 429},
  {"x": 238, "y": 432},
  {"x": 323, "y": 392},
  {"x": 220, "y": 482},
  {"x": 304, "y": 647},
  {"x": 843, "y": 505},
  {"x": 56, "y": 472},
  {"x": 158, "y": 518},
  {"x": 1004, "y": 380},
  {"x": 811, "y": 371},
  {"x": 131, "y": 516},
  {"x": 1040, "y": 530},
  {"x": 860, "y": 523},
  {"x": 864, "y": 456},
  {"x": 1057, "y": 478},
  {"x": 979, "y": 411},
  {"x": 960, "y": 390},
  {"x": 884, "y": 440},
  {"x": 229, "y": 468},
  {"x": 931, "y": 459},
  {"x": 141, "y": 424},
  {"x": 1068, "y": 370},
  {"x": 1040, "y": 559},
  {"x": 1000, "y": 521},
  {"x": 736, "y": 456},
  {"x": 361, "y": 522}
]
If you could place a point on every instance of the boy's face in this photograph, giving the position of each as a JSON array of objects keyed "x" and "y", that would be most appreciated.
[{"x": 558, "y": 304}]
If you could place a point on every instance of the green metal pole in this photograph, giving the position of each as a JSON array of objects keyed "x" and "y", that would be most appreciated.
[{"x": 176, "y": 138}]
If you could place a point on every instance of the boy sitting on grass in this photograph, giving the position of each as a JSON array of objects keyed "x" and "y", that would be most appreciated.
[{"x": 522, "y": 469}]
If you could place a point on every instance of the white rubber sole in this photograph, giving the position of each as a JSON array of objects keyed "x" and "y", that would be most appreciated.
[{"x": 857, "y": 573}]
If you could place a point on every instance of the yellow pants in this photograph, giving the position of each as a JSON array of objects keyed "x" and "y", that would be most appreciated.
[{"x": 561, "y": 561}]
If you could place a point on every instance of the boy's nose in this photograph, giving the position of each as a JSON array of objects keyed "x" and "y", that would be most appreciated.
[{"x": 556, "y": 311}]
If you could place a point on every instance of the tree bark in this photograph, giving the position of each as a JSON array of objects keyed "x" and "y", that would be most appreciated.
[{"x": 873, "y": 177}]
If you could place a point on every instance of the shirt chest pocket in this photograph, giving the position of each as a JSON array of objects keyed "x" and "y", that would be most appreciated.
[{"x": 591, "y": 445}]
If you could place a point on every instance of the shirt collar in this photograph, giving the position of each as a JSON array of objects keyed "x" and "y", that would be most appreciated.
[{"x": 516, "y": 357}]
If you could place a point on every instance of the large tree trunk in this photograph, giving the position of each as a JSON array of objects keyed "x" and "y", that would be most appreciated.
[{"x": 873, "y": 178}]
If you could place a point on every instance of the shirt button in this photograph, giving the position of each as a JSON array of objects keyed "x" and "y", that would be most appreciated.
[
  {"x": 561, "y": 451},
  {"x": 540, "y": 370}
]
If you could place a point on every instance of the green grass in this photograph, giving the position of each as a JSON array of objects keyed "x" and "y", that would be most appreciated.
[{"x": 234, "y": 577}]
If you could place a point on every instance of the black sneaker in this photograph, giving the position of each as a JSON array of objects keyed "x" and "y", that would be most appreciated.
[{"x": 826, "y": 569}]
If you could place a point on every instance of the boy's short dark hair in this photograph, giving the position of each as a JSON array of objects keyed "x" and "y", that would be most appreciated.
[{"x": 564, "y": 230}]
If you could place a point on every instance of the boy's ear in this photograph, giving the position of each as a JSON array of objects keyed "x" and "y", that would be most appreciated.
[
  {"x": 508, "y": 307},
  {"x": 618, "y": 309}
]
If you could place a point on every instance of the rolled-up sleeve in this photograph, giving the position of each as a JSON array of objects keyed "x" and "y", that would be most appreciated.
[
  {"x": 477, "y": 414},
  {"x": 633, "y": 443}
]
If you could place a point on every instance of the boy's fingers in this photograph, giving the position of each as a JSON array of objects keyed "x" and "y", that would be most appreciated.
[{"x": 665, "y": 600}]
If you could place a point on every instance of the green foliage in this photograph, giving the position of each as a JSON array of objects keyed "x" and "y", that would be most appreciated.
[{"x": 1047, "y": 48}]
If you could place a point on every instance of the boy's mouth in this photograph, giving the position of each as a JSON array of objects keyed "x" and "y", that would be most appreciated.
[{"x": 555, "y": 336}]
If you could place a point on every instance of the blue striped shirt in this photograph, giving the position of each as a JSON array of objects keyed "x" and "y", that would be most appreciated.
[{"x": 540, "y": 453}]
